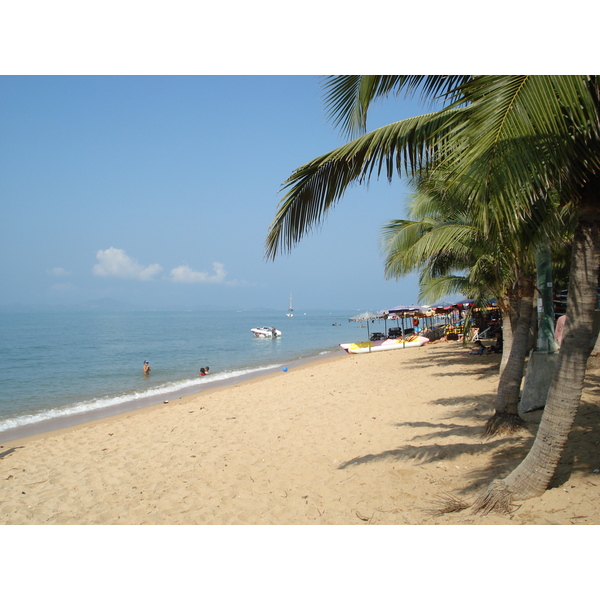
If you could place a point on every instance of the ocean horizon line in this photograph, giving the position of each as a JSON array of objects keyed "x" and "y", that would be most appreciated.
[{"x": 110, "y": 305}]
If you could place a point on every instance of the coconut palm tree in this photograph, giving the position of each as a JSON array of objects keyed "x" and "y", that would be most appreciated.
[
  {"x": 451, "y": 253},
  {"x": 517, "y": 135},
  {"x": 449, "y": 236}
]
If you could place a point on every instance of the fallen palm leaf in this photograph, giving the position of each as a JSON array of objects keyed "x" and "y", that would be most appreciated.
[{"x": 447, "y": 503}]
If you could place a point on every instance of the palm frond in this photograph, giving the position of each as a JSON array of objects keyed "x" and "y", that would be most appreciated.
[
  {"x": 315, "y": 187},
  {"x": 348, "y": 97},
  {"x": 432, "y": 289},
  {"x": 524, "y": 133}
]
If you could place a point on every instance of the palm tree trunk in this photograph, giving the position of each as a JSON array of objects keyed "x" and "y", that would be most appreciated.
[
  {"x": 596, "y": 349},
  {"x": 532, "y": 476},
  {"x": 507, "y": 331},
  {"x": 594, "y": 359},
  {"x": 506, "y": 417}
]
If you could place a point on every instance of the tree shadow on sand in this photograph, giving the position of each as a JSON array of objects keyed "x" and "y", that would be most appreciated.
[
  {"x": 472, "y": 365},
  {"x": 431, "y": 447},
  {"x": 503, "y": 454},
  {"x": 581, "y": 453},
  {"x": 10, "y": 451},
  {"x": 481, "y": 405},
  {"x": 445, "y": 430},
  {"x": 481, "y": 401}
]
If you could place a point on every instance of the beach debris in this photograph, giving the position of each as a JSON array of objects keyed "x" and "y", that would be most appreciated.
[
  {"x": 502, "y": 424},
  {"x": 361, "y": 516},
  {"x": 166, "y": 402},
  {"x": 447, "y": 503},
  {"x": 497, "y": 498}
]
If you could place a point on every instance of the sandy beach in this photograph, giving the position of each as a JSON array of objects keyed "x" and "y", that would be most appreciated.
[{"x": 349, "y": 440}]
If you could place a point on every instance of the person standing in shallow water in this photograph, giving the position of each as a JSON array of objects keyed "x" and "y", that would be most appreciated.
[
  {"x": 146, "y": 367},
  {"x": 202, "y": 372}
]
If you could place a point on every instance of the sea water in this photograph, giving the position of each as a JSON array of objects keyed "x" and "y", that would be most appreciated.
[{"x": 60, "y": 368}]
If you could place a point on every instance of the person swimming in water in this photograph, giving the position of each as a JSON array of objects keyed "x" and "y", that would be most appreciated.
[{"x": 146, "y": 367}]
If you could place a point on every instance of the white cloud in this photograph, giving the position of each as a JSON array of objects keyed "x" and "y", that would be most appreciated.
[
  {"x": 59, "y": 272},
  {"x": 115, "y": 263},
  {"x": 185, "y": 274}
]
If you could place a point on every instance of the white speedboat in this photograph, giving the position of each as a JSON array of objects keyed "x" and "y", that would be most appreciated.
[{"x": 266, "y": 332}]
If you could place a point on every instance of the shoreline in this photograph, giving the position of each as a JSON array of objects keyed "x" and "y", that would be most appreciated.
[
  {"x": 347, "y": 440},
  {"x": 78, "y": 382},
  {"x": 72, "y": 420}
]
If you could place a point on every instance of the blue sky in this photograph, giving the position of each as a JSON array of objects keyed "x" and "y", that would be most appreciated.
[{"x": 159, "y": 190}]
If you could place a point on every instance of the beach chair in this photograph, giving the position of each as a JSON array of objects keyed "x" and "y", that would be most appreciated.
[
  {"x": 481, "y": 334},
  {"x": 473, "y": 334}
]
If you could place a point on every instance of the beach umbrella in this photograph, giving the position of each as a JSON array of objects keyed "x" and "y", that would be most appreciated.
[
  {"x": 442, "y": 307},
  {"x": 365, "y": 317},
  {"x": 407, "y": 309},
  {"x": 399, "y": 310},
  {"x": 383, "y": 314},
  {"x": 461, "y": 304}
]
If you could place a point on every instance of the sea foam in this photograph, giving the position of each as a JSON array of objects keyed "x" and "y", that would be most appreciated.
[{"x": 161, "y": 392}]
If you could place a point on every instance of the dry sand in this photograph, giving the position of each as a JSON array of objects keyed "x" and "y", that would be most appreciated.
[{"x": 349, "y": 440}]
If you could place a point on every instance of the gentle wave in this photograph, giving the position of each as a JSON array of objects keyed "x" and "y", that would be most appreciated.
[{"x": 101, "y": 403}]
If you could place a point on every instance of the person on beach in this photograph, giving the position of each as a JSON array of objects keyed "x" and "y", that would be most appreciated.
[
  {"x": 146, "y": 367},
  {"x": 202, "y": 372},
  {"x": 560, "y": 328},
  {"x": 206, "y": 370},
  {"x": 496, "y": 347},
  {"x": 478, "y": 348}
]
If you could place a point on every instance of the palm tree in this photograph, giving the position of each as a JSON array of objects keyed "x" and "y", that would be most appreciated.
[
  {"x": 517, "y": 135},
  {"x": 451, "y": 236},
  {"x": 451, "y": 253}
]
